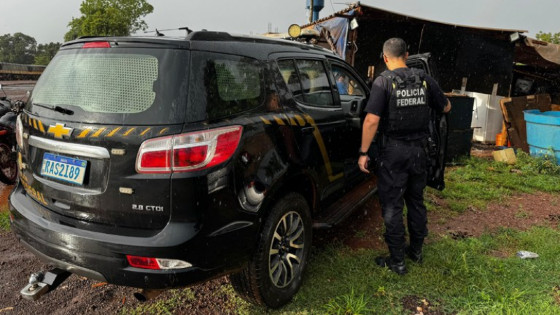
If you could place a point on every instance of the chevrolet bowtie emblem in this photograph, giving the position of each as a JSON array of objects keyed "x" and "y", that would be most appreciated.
[{"x": 59, "y": 130}]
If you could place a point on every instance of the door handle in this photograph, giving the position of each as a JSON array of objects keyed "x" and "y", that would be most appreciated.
[{"x": 354, "y": 106}]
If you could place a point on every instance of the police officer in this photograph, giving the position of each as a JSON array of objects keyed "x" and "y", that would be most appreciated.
[{"x": 400, "y": 104}]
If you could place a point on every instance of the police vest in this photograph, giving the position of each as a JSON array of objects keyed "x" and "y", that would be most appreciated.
[{"x": 408, "y": 111}]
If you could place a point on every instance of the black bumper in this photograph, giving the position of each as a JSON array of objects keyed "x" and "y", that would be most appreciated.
[{"x": 102, "y": 256}]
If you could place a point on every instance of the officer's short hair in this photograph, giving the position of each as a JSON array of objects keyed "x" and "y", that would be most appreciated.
[{"x": 394, "y": 47}]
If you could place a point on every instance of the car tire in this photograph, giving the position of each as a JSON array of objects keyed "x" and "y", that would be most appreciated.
[{"x": 274, "y": 273}]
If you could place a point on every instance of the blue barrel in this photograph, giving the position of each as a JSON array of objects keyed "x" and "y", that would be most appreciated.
[{"x": 543, "y": 132}]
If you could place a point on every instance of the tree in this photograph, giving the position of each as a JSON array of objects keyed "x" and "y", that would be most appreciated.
[
  {"x": 46, "y": 52},
  {"x": 19, "y": 48},
  {"x": 549, "y": 37},
  {"x": 109, "y": 18}
]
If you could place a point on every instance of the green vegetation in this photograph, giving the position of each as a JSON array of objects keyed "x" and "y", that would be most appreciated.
[
  {"x": 466, "y": 276},
  {"x": 17, "y": 48},
  {"x": 46, "y": 52},
  {"x": 163, "y": 306},
  {"x": 21, "y": 48},
  {"x": 4, "y": 220},
  {"x": 109, "y": 18},
  {"x": 549, "y": 37},
  {"x": 480, "y": 181}
]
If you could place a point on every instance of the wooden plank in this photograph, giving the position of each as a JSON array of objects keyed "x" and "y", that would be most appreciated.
[{"x": 512, "y": 110}]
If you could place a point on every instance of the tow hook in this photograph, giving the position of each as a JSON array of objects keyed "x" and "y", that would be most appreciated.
[{"x": 41, "y": 283}]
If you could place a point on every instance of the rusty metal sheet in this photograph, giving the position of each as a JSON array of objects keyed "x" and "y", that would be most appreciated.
[
  {"x": 538, "y": 53},
  {"x": 514, "y": 120}
]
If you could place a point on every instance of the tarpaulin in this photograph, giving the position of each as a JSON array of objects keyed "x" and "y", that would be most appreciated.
[{"x": 338, "y": 30}]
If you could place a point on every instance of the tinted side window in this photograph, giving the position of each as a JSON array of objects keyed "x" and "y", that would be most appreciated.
[
  {"x": 416, "y": 64},
  {"x": 225, "y": 84},
  {"x": 346, "y": 82},
  {"x": 290, "y": 76},
  {"x": 316, "y": 87},
  {"x": 308, "y": 81}
]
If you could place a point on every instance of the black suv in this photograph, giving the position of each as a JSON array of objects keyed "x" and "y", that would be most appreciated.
[{"x": 158, "y": 162}]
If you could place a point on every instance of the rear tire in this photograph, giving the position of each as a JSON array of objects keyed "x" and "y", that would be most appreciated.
[
  {"x": 8, "y": 165},
  {"x": 275, "y": 272}
]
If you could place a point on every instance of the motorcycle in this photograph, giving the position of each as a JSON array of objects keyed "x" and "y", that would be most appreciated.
[{"x": 9, "y": 110}]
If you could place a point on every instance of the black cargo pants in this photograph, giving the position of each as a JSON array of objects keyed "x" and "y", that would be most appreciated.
[{"x": 402, "y": 178}]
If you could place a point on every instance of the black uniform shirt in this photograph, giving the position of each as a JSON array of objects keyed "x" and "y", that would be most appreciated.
[{"x": 382, "y": 88}]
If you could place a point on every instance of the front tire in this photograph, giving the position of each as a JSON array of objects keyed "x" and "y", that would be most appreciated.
[{"x": 275, "y": 272}]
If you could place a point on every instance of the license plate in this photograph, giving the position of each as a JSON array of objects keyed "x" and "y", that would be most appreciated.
[{"x": 63, "y": 168}]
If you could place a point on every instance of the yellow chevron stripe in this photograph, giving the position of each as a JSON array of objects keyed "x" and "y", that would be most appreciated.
[
  {"x": 114, "y": 131},
  {"x": 310, "y": 120},
  {"x": 163, "y": 131},
  {"x": 323, "y": 149},
  {"x": 292, "y": 121},
  {"x": 35, "y": 124},
  {"x": 266, "y": 121},
  {"x": 300, "y": 120},
  {"x": 84, "y": 133},
  {"x": 145, "y": 131},
  {"x": 41, "y": 126},
  {"x": 279, "y": 121},
  {"x": 129, "y": 131},
  {"x": 98, "y": 132}
]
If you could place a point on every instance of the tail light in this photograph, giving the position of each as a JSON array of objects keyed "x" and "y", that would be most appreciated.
[
  {"x": 156, "y": 263},
  {"x": 189, "y": 151},
  {"x": 97, "y": 45}
]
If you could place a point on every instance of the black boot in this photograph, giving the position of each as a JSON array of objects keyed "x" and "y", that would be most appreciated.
[
  {"x": 414, "y": 251},
  {"x": 395, "y": 266}
]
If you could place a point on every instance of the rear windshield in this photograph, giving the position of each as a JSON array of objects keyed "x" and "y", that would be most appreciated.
[{"x": 115, "y": 85}]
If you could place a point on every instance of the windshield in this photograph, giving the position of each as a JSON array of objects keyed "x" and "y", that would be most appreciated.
[{"x": 117, "y": 85}]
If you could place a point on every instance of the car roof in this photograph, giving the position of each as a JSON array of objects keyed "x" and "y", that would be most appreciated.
[{"x": 258, "y": 47}]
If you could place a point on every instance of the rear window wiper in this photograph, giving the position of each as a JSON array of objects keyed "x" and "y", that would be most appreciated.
[{"x": 56, "y": 108}]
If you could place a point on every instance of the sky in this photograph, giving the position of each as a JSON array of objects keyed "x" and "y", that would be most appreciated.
[{"x": 47, "y": 21}]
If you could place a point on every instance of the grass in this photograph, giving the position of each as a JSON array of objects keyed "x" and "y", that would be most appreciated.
[
  {"x": 4, "y": 220},
  {"x": 458, "y": 276},
  {"x": 480, "y": 181},
  {"x": 163, "y": 306}
]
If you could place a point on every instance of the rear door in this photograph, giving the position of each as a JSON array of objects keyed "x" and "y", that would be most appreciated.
[
  {"x": 83, "y": 125},
  {"x": 437, "y": 141},
  {"x": 322, "y": 129},
  {"x": 353, "y": 96}
]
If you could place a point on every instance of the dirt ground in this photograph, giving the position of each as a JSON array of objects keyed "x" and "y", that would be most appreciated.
[{"x": 78, "y": 295}]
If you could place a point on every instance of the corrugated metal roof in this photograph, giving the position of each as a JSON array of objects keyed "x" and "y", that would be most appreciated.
[{"x": 365, "y": 8}]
